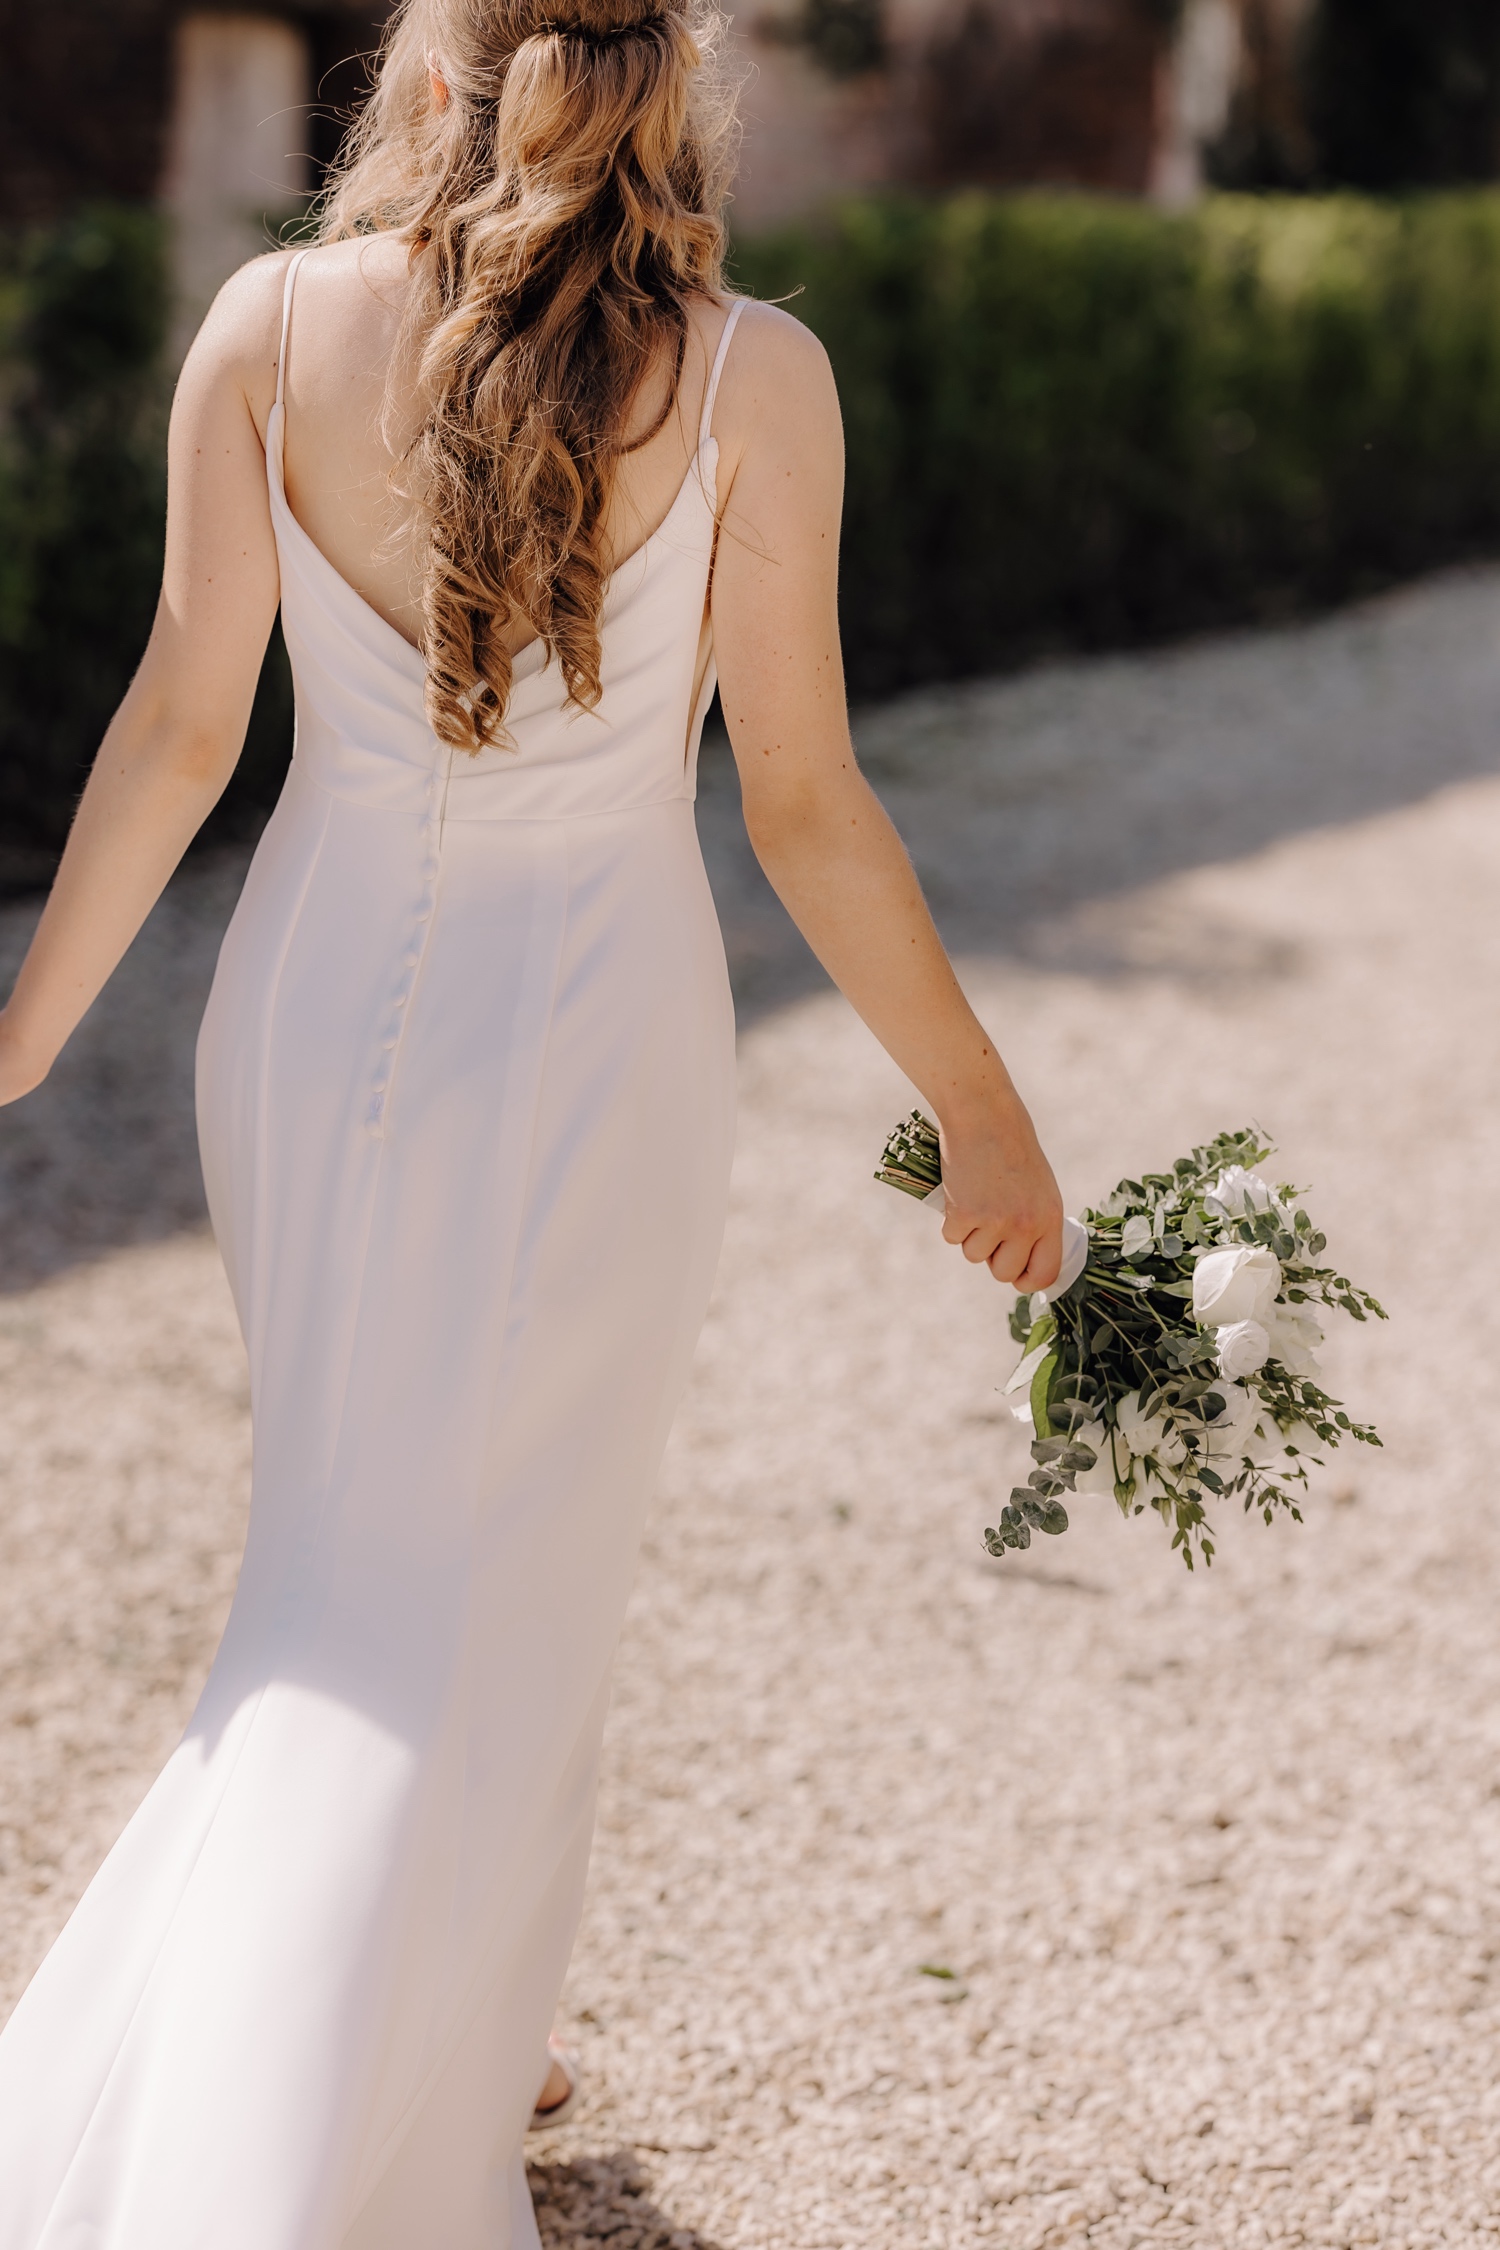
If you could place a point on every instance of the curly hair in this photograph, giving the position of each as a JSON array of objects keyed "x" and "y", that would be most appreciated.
[{"x": 562, "y": 208}]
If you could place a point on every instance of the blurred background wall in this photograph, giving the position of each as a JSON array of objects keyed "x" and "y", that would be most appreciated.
[
  {"x": 101, "y": 97},
  {"x": 1147, "y": 314},
  {"x": 227, "y": 117},
  {"x": 227, "y": 113}
]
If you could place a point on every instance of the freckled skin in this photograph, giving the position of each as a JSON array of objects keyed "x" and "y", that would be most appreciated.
[{"x": 820, "y": 833}]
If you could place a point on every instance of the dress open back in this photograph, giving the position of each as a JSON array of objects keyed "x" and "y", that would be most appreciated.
[{"x": 465, "y": 1089}]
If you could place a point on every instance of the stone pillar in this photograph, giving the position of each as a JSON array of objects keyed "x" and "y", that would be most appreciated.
[
  {"x": 237, "y": 160},
  {"x": 1201, "y": 74}
]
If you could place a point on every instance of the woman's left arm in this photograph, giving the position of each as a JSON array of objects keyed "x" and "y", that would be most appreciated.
[
  {"x": 173, "y": 743},
  {"x": 818, "y": 829}
]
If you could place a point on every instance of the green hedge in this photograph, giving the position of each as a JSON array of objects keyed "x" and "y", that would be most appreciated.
[
  {"x": 1071, "y": 424},
  {"x": 1074, "y": 423},
  {"x": 81, "y": 314},
  {"x": 83, "y": 311}
]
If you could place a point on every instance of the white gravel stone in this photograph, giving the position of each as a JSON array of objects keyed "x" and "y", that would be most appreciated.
[{"x": 1212, "y": 1864}]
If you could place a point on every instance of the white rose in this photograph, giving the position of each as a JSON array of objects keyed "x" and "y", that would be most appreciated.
[
  {"x": 1231, "y": 1433},
  {"x": 1149, "y": 1436},
  {"x": 1243, "y": 1346},
  {"x": 1240, "y": 1194},
  {"x": 1137, "y": 1235},
  {"x": 1234, "y": 1285},
  {"x": 1296, "y": 1333}
]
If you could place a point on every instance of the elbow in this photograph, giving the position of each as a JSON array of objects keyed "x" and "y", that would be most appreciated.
[
  {"x": 783, "y": 819},
  {"x": 184, "y": 751},
  {"x": 776, "y": 840},
  {"x": 201, "y": 758}
]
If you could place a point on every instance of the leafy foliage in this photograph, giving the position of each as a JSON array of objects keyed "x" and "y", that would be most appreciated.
[
  {"x": 1120, "y": 1359},
  {"x": 1070, "y": 423},
  {"x": 82, "y": 493},
  {"x": 1124, "y": 1376},
  {"x": 82, "y": 308},
  {"x": 1079, "y": 423},
  {"x": 845, "y": 38}
]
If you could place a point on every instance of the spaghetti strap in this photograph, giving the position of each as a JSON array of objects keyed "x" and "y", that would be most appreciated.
[
  {"x": 286, "y": 321},
  {"x": 716, "y": 371}
]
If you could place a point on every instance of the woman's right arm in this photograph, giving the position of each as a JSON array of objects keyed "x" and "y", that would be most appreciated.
[{"x": 173, "y": 743}]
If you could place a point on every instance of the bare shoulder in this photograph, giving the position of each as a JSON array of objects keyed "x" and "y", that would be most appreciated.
[
  {"x": 360, "y": 282},
  {"x": 775, "y": 362},
  {"x": 361, "y": 270},
  {"x": 236, "y": 346},
  {"x": 777, "y": 401}
]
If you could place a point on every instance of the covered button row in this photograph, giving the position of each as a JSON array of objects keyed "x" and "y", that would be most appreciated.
[{"x": 411, "y": 963}]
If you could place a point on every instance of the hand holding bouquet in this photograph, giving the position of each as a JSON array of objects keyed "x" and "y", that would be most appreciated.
[{"x": 1174, "y": 1360}]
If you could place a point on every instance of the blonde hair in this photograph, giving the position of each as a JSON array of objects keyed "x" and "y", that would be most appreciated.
[{"x": 563, "y": 207}]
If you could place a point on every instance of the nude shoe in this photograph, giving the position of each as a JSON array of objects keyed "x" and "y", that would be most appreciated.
[{"x": 543, "y": 2120}]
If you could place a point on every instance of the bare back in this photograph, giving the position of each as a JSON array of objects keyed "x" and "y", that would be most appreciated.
[{"x": 349, "y": 303}]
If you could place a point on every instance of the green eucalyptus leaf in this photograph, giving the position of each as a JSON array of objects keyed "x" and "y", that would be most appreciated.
[{"x": 1049, "y": 1482}]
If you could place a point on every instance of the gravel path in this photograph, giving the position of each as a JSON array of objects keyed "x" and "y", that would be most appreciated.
[{"x": 939, "y": 1901}]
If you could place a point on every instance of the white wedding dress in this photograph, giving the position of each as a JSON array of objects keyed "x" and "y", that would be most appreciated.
[{"x": 466, "y": 1105}]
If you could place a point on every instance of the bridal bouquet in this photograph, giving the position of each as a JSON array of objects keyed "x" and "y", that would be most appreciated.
[{"x": 1174, "y": 1360}]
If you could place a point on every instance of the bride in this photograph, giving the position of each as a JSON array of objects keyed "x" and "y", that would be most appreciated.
[{"x": 525, "y": 482}]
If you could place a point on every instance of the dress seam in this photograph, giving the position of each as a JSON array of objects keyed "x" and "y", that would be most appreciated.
[
  {"x": 452, "y": 819},
  {"x": 259, "y": 1253},
  {"x": 433, "y": 897},
  {"x": 412, "y": 2109}
]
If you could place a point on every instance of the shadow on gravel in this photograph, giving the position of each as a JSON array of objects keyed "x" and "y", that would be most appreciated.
[
  {"x": 1035, "y": 807},
  {"x": 604, "y": 2199},
  {"x": 1038, "y": 811},
  {"x": 106, "y": 1152}
]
